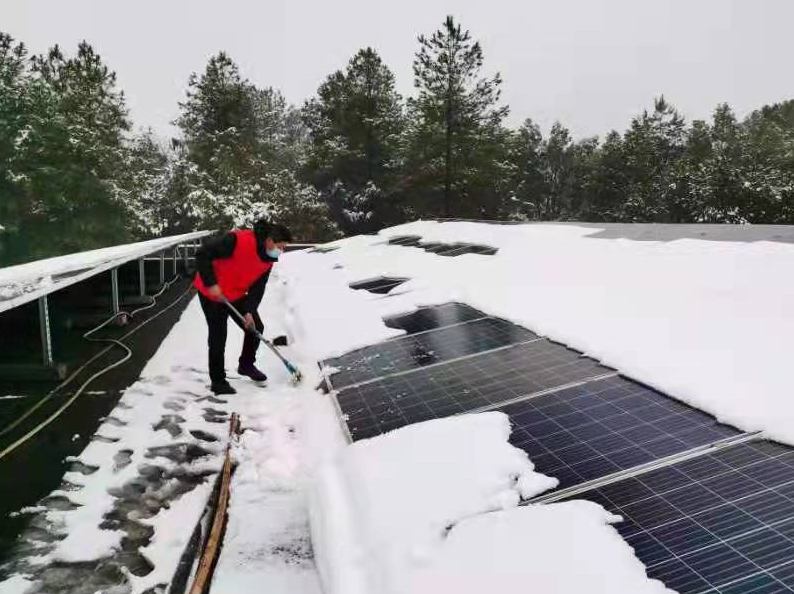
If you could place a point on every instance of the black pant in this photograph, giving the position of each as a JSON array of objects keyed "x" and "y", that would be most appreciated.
[{"x": 217, "y": 315}]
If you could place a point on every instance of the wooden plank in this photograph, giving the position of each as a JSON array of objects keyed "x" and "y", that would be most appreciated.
[{"x": 209, "y": 557}]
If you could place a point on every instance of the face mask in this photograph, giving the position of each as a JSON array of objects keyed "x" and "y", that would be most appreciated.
[{"x": 274, "y": 253}]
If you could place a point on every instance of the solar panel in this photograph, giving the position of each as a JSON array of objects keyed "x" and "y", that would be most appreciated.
[
  {"x": 434, "y": 246},
  {"x": 718, "y": 523},
  {"x": 592, "y": 430},
  {"x": 483, "y": 250},
  {"x": 437, "y": 316},
  {"x": 461, "y": 386},
  {"x": 411, "y": 352},
  {"x": 442, "y": 249},
  {"x": 405, "y": 240},
  {"x": 381, "y": 285}
]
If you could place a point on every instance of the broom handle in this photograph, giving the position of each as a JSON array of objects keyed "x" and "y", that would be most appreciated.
[{"x": 256, "y": 333}]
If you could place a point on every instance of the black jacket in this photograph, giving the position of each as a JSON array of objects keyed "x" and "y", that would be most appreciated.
[{"x": 223, "y": 247}]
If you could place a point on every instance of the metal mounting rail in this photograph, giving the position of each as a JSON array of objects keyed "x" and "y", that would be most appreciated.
[{"x": 708, "y": 448}]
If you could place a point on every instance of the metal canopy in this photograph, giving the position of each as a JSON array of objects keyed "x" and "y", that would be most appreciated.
[{"x": 28, "y": 282}]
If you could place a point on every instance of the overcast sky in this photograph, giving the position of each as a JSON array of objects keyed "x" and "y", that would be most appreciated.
[{"x": 592, "y": 64}]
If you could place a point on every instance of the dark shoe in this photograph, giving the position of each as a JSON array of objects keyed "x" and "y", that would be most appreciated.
[
  {"x": 222, "y": 387},
  {"x": 251, "y": 371}
]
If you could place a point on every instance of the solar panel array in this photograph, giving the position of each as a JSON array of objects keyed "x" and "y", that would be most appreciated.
[
  {"x": 381, "y": 285},
  {"x": 707, "y": 508}
]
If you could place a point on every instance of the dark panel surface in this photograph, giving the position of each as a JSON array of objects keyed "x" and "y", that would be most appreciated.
[
  {"x": 411, "y": 352},
  {"x": 430, "y": 318},
  {"x": 590, "y": 431},
  {"x": 405, "y": 240},
  {"x": 461, "y": 386},
  {"x": 380, "y": 285},
  {"x": 723, "y": 522}
]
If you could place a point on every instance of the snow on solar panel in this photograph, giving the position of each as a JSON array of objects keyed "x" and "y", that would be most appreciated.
[
  {"x": 430, "y": 318},
  {"x": 604, "y": 426},
  {"x": 411, "y": 352},
  {"x": 718, "y": 523},
  {"x": 381, "y": 285},
  {"x": 484, "y": 380}
]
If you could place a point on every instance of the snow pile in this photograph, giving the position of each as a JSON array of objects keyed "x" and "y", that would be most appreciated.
[
  {"x": 564, "y": 548},
  {"x": 706, "y": 322},
  {"x": 384, "y": 505},
  {"x": 432, "y": 507}
]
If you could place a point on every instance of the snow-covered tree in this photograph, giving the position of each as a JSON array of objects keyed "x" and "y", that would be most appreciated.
[
  {"x": 354, "y": 124},
  {"x": 242, "y": 146}
]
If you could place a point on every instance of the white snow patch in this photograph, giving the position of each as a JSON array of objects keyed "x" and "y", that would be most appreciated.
[
  {"x": 383, "y": 506},
  {"x": 167, "y": 545},
  {"x": 565, "y": 548},
  {"x": 16, "y": 584}
]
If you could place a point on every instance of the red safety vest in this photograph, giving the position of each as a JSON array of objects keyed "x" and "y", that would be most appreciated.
[{"x": 236, "y": 274}]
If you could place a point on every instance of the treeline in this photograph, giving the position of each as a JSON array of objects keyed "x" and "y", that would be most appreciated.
[{"x": 355, "y": 157}]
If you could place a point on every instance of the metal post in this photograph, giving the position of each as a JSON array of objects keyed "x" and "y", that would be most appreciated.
[
  {"x": 44, "y": 325},
  {"x": 142, "y": 276},
  {"x": 162, "y": 268},
  {"x": 114, "y": 290},
  {"x": 186, "y": 256},
  {"x": 176, "y": 255}
]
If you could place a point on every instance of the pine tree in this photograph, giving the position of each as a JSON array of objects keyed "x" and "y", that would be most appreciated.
[
  {"x": 64, "y": 162},
  {"x": 14, "y": 129},
  {"x": 653, "y": 145},
  {"x": 458, "y": 121},
  {"x": 529, "y": 184},
  {"x": 241, "y": 148},
  {"x": 354, "y": 125}
]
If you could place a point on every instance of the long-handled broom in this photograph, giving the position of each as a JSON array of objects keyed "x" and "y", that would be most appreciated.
[{"x": 297, "y": 376}]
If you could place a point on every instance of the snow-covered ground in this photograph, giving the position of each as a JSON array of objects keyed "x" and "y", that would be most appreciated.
[{"x": 430, "y": 507}]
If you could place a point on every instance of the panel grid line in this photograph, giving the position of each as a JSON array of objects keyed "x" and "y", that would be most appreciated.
[
  {"x": 457, "y": 387},
  {"x": 700, "y": 533},
  {"x": 410, "y": 352},
  {"x": 604, "y": 426}
]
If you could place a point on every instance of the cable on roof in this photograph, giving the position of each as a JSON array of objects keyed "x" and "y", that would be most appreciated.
[{"x": 81, "y": 389}]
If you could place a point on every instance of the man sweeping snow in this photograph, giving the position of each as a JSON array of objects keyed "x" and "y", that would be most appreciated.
[{"x": 236, "y": 267}]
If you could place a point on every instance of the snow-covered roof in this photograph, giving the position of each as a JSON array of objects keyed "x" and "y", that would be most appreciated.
[
  {"x": 27, "y": 282},
  {"x": 466, "y": 502},
  {"x": 663, "y": 307}
]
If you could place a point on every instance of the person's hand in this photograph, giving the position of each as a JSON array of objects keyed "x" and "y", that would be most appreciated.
[
  {"x": 249, "y": 322},
  {"x": 215, "y": 291}
]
